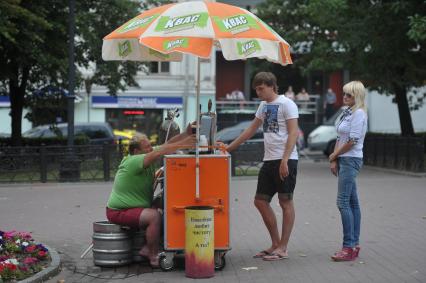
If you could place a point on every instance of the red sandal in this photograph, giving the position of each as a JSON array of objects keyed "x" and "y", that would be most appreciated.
[
  {"x": 346, "y": 254},
  {"x": 356, "y": 251}
]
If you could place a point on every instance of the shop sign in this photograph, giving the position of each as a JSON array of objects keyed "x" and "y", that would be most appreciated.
[
  {"x": 4, "y": 101},
  {"x": 147, "y": 102}
]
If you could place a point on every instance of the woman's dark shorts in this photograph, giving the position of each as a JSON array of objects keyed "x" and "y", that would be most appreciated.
[{"x": 269, "y": 181}]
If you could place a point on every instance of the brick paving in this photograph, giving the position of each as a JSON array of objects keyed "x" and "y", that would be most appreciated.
[{"x": 393, "y": 235}]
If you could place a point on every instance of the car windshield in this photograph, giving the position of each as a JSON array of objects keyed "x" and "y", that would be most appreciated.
[
  {"x": 228, "y": 134},
  {"x": 32, "y": 133},
  {"x": 231, "y": 133},
  {"x": 332, "y": 120},
  {"x": 43, "y": 132},
  {"x": 92, "y": 132}
]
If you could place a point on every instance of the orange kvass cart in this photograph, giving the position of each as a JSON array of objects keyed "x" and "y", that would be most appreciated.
[{"x": 180, "y": 192}]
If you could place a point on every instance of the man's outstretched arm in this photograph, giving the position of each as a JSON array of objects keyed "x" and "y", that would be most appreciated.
[
  {"x": 245, "y": 135},
  {"x": 168, "y": 148}
]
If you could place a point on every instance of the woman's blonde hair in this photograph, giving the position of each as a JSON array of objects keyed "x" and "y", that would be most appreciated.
[{"x": 357, "y": 89}]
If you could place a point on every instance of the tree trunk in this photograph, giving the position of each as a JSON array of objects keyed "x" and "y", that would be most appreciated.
[
  {"x": 404, "y": 111},
  {"x": 16, "y": 94}
]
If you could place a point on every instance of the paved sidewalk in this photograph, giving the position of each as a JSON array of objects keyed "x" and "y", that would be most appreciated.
[{"x": 393, "y": 235}]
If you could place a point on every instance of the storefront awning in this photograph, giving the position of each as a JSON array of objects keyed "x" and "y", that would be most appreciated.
[
  {"x": 4, "y": 101},
  {"x": 146, "y": 102}
]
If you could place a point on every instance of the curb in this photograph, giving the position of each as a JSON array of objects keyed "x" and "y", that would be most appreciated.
[
  {"x": 382, "y": 169},
  {"x": 50, "y": 271},
  {"x": 395, "y": 171}
]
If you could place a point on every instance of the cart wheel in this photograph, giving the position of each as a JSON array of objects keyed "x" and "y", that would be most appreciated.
[
  {"x": 167, "y": 262},
  {"x": 219, "y": 261}
]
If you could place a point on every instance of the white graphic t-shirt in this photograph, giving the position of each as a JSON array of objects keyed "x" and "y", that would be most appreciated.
[{"x": 274, "y": 116}]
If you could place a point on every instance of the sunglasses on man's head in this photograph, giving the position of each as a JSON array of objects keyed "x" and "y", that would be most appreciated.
[{"x": 347, "y": 94}]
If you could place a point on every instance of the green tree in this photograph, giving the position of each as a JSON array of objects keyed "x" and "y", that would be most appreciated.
[
  {"x": 380, "y": 42},
  {"x": 103, "y": 20},
  {"x": 34, "y": 46}
]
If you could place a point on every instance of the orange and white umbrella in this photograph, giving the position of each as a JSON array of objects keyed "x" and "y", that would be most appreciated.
[{"x": 163, "y": 33}]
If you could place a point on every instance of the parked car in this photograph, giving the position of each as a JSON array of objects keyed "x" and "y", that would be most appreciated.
[
  {"x": 123, "y": 135},
  {"x": 229, "y": 134},
  {"x": 324, "y": 137},
  {"x": 97, "y": 132}
]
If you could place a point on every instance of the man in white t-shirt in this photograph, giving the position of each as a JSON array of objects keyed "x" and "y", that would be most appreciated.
[{"x": 278, "y": 115}]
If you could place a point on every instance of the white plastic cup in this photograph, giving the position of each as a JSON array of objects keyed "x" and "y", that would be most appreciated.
[{"x": 203, "y": 142}]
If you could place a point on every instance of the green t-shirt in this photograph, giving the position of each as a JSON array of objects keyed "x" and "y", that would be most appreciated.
[{"x": 132, "y": 184}]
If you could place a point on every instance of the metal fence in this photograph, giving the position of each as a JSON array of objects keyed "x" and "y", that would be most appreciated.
[
  {"x": 247, "y": 159},
  {"x": 396, "y": 152},
  {"x": 99, "y": 163},
  {"x": 59, "y": 163},
  {"x": 43, "y": 164}
]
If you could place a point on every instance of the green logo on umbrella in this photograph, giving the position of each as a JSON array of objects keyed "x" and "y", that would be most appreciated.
[
  {"x": 124, "y": 48},
  {"x": 176, "y": 43},
  {"x": 158, "y": 54},
  {"x": 167, "y": 24},
  {"x": 137, "y": 23},
  {"x": 236, "y": 24},
  {"x": 248, "y": 47}
]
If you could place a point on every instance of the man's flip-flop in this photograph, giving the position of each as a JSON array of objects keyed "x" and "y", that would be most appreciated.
[
  {"x": 275, "y": 256},
  {"x": 261, "y": 254}
]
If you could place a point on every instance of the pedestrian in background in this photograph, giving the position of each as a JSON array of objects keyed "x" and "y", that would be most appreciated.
[
  {"x": 346, "y": 162},
  {"x": 303, "y": 95},
  {"x": 289, "y": 93},
  {"x": 278, "y": 115},
  {"x": 329, "y": 100}
]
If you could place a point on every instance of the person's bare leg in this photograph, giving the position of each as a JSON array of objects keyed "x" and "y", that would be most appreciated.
[
  {"x": 287, "y": 206},
  {"x": 151, "y": 219},
  {"x": 270, "y": 221}
]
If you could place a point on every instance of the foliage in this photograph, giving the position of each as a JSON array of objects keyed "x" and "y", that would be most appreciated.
[
  {"x": 47, "y": 106},
  {"x": 296, "y": 22},
  {"x": 20, "y": 256},
  {"x": 94, "y": 20},
  {"x": 417, "y": 30},
  {"x": 34, "y": 47},
  {"x": 380, "y": 42}
]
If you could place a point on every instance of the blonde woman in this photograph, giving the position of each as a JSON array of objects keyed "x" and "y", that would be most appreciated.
[{"x": 346, "y": 162}]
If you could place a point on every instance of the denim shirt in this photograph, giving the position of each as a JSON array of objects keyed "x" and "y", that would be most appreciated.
[{"x": 352, "y": 127}]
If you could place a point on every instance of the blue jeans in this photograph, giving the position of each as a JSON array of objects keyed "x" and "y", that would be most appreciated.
[{"x": 347, "y": 199}]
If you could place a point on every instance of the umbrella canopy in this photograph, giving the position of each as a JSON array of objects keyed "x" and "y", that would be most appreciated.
[{"x": 165, "y": 32}]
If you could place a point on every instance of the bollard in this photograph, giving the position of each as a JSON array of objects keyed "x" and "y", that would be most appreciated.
[{"x": 199, "y": 241}]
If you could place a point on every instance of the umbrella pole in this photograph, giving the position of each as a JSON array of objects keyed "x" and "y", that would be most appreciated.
[{"x": 197, "y": 146}]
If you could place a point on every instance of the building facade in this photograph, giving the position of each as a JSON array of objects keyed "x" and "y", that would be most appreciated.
[{"x": 167, "y": 85}]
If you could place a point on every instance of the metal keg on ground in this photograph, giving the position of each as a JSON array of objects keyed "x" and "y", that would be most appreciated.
[
  {"x": 138, "y": 241},
  {"x": 112, "y": 245}
]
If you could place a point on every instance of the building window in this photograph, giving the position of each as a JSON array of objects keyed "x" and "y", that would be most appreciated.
[{"x": 159, "y": 67}]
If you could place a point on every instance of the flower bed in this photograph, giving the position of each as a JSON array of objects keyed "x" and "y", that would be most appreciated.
[{"x": 20, "y": 256}]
